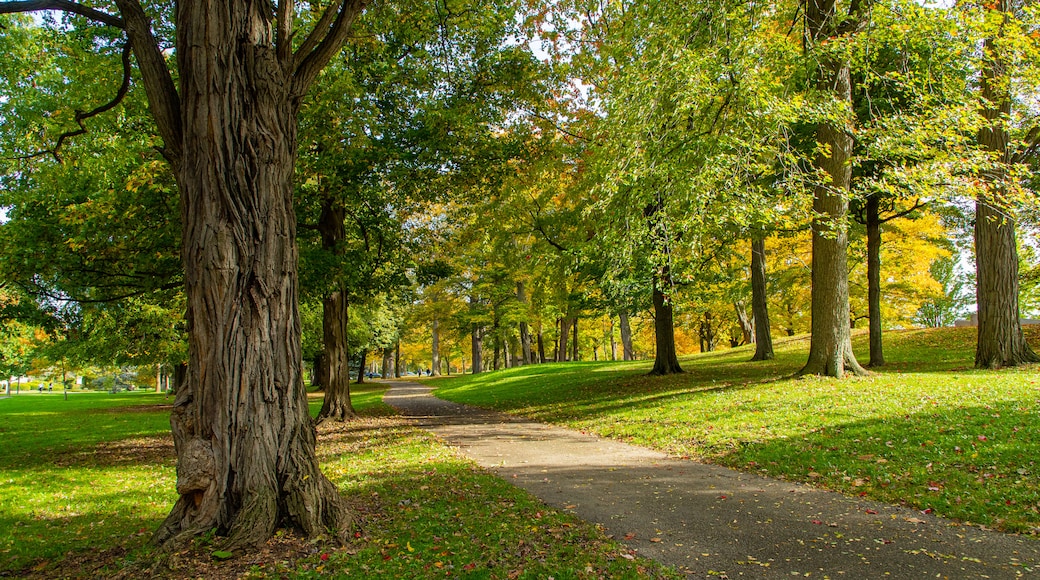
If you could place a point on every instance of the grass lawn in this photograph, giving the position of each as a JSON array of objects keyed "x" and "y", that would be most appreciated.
[
  {"x": 926, "y": 430},
  {"x": 84, "y": 482}
]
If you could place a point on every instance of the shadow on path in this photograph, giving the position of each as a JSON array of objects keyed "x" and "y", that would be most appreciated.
[{"x": 710, "y": 521}]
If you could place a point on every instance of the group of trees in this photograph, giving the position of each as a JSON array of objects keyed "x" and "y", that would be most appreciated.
[{"x": 232, "y": 187}]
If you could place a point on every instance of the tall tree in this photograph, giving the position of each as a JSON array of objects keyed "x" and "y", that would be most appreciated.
[
  {"x": 830, "y": 350},
  {"x": 1000, "y": 339},
  {"x": 244, "y": 440}
]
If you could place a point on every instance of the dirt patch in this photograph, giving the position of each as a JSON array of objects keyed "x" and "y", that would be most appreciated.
[
  {"x": 278, "y": 556},
  {"x": 137, "y": 451},
  {"x": 137, "y": 409}
]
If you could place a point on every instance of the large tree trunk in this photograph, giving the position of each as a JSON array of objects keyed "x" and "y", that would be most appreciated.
[
  {"x": 665, "y": 361},
  {"x": 627, "y": 352},
  {"x": 336, "y": 368},
  {"x": 562, "y": 350},
  {"x": 760, "y": 301},
  {"x": 336, "y": 372},
  {"x": 387, "y": 363},
  {"x": 243, "y": 434},
  {"x": 873, "y": 215},
  {"x": 435, "y": 355},
  {"x": 1000, "y": 339},
  {"x": 477, "y": 354},
  {"x": 830, "y": 348}
]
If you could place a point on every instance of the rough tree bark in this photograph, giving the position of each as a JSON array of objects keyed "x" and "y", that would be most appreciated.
[
  {"x": 336, "y": 405},
  {"x": 541, "y": 344},
  {"x": 244, "y": 439},
  {"x": 830, "y": 348},
  {"x": 760, "y": 301},
  {"x": 1000, "y": 339},
  {"x": 627, "y": 352}
]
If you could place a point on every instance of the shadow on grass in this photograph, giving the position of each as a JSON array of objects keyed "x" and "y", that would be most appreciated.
[{"x": 976, "y": 464}]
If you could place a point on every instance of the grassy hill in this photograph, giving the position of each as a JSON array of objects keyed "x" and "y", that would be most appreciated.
[{"x": 927, "y": 430}]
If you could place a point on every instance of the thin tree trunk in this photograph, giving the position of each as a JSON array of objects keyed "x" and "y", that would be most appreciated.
[
  {"x": 397, "y": 360},
  {"x": 628, "y": 353},
  {"x": 496, "y": 339},
  {"x": 760, "y": 301},
  {"x": 747, "y": 331},
  {"x": 525, "y": 332},
  {"x": 613, "y": 341},
  {"x": 574, "y": 343},
  {"x": 1000, "y": 339},
  {"x": 361, "y": 367},
  {"x": 477, "y": 354},
  {"x": 541, "y": 345},
  {"x": 830, "y": 348},
  {"x": 877, "y": 356},
  {"x": 318, "y": 372},
  {"x": 435, "y": 367}
]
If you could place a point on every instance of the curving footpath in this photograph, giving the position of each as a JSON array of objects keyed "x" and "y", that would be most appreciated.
[{"x": 714, "y": 522}]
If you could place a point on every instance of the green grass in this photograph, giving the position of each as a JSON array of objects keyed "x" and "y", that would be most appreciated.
[
  {"x": 85, "y": 479},
  {"x": 96, "y": 468},
  {"x": 926, "y": 430}
]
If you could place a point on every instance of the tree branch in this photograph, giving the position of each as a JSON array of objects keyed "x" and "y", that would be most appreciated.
[
  {"x": 918, "y": 204},
  {"x": 284, "y": 32},
  {"x": 81, "y": 116},
  {"x": 326, "y": 40},
  {"x": 63, "y": 6},
  {"x": 163, "y": 100}
]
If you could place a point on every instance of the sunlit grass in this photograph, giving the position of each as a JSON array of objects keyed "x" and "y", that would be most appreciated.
[
  {"x": 926, "y": 430},
  {"x": 95, "y": 475}
]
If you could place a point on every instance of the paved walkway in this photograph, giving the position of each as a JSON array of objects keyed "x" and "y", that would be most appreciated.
[{"x": 713, "y": 522}]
